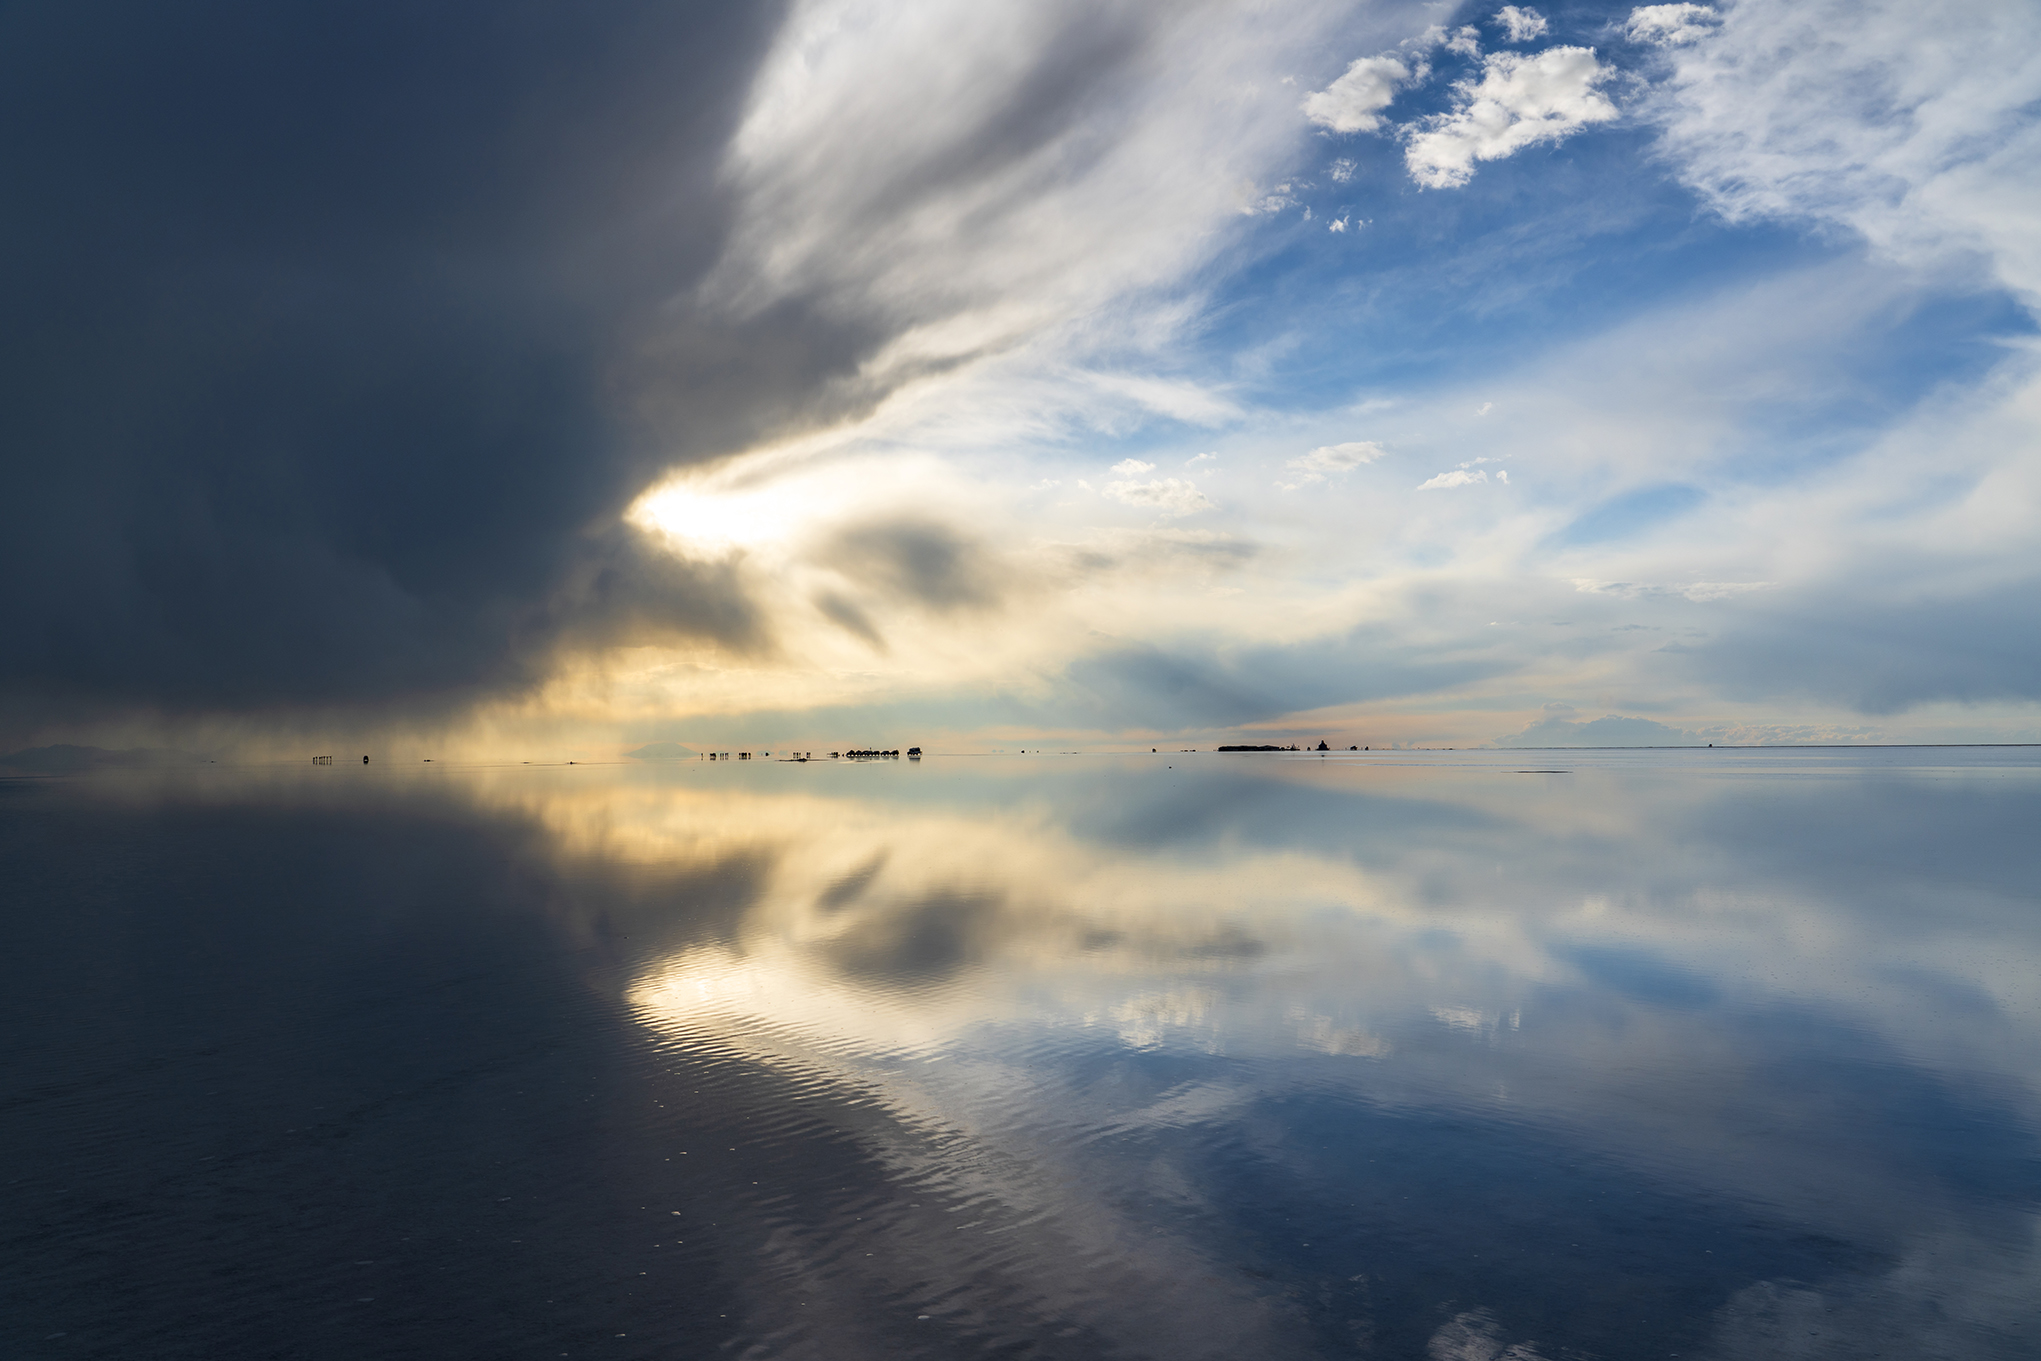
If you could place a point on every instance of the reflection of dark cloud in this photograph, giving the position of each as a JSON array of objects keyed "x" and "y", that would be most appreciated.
[
  {"x": 921, "y": 942},
  {"x": 1683, "y": 1139},
  {"x": 852, "y": 886}
]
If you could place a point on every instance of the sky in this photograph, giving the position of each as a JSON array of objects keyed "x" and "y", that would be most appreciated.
[{"x": 466, "y": 376}]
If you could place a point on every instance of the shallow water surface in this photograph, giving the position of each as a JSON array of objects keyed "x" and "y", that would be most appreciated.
[{"x": 1449, "y": 1056}]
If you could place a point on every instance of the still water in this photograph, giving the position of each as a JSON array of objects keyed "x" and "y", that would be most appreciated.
[{"x": 1453, "y": 1057}]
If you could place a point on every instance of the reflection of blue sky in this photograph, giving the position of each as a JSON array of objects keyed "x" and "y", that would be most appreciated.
[
  {"x": 1197, "y": 1055},
  {"x": 1698, "y": 1025}
]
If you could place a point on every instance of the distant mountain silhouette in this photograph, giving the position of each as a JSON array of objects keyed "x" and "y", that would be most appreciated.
[{"x": 661, "y": 751}]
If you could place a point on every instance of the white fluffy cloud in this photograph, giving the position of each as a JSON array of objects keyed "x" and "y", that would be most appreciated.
[
  {"x": 1671, "y": 25},
  {"x": 1337, "y": 458},
  {"x": 1130, "y": 467},
  {"x": 1170, "y": 495},
  {"x": 1459, "y": 477},
  {"x": 1518, "y": 102},
  {"x": 1355, "y": 101},
  {"x": 1523, "y": 23}
]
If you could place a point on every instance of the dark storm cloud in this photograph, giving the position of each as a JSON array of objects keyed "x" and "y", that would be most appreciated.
[
  {"x": 1139, "y": 686},
  {"x": 313, "y": 314},
  {"x": 338, "y": 336},
  {"x": 922, "y": 561},
  {"x": 847, "y": 616},
  {"x": 1883, "y": 656}
]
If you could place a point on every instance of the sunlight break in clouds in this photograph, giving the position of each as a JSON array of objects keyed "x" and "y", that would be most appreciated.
[{"x": 1519, "y": 101}]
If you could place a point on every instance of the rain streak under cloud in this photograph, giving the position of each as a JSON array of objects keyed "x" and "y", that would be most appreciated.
[{"x": 1115, "y": 374}]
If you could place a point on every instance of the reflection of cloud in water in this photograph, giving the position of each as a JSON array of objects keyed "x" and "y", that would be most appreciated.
[
  {"x": 1671, "y": 1005},
  {"x": 1279, "y": 1058}
]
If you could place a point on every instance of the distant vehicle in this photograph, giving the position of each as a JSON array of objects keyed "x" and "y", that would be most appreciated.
[{"x": 914, "y": 751}]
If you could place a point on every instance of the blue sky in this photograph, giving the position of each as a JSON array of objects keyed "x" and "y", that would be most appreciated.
[{"x": 1398, "y": 374}]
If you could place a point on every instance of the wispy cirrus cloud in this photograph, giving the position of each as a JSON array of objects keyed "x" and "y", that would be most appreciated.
[
  {"x": 1172, "y": 496},
  {"x": 1671, "y": 25}
]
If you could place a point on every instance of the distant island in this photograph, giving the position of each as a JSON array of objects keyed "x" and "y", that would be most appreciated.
[{"x": 1292, "y": 748}]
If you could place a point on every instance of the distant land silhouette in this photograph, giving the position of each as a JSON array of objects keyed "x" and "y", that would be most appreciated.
[{"x": 660, "y": 751}]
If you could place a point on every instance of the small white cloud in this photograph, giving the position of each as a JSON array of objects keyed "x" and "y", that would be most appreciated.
[
  {"x": 1702, "y": 591},
  {"x": 1521, "y": 23},
  {"x": 1518, "y": 102},
  {"x": 1342, "y": 170},
  {"x": 1459, "y": 477},
  {"x": 1484, "y": 408},
  {"x": 1354, "y": 102},
  {"x": 1045, "y": 484},
  {"x": 1261, "y": 205},
  {"x": 1196, "y": 459},
  {"x": 1170, "y": 495},
  {"x": 1466, "y": 42},
  {"x": 1338, "y": 224},
  {"x": 1129, "y": 467},
  {"x": 1337, "y": 458},
  {"x": 1672, "y": 25},
  {"x": 1502, "y": 475}
]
